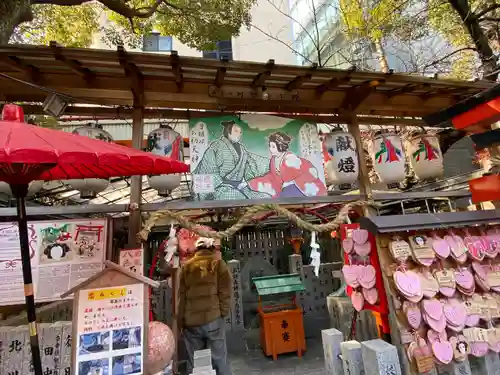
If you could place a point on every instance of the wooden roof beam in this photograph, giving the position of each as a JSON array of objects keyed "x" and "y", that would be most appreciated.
[
  {"x": 32, "y": 72},
  {"x": 404, "y": 90},
  {"x": 74, "y": 65},
  {"x": 355, "y": 96},
  {"x": 219, "y": 78},
  {"x": 261, "y": 78},
  {"x": 132, "y": 71},
  {"x": 331, "y": 84},
  {"x": 298, "y": 81},
  {"x": 177, "y": 70}
]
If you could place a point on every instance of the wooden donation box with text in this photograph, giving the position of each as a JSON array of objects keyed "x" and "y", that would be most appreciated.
[
  {"x": 281, "y": 325},
  {"x": 110, "y": 322}
]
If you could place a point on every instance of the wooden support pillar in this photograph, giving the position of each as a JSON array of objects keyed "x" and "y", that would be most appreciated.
[
  {"x": 134, "y": 223},
  {"x": 365, "y": 188}
]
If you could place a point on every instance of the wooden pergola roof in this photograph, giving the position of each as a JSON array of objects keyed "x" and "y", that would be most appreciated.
[{"x": 115, "y": 78}]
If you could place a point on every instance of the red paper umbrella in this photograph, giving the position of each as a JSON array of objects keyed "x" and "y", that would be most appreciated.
[{"x": 30, "y": 153}]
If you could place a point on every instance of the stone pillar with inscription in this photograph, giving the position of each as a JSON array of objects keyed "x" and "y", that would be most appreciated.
[
  {"x": 352, "y": 359},
  {"x": 380, "y": 358},
  {"x": 295, "y": 266},
  {"x": 332, "y": 339},
  {"x": 237, "y": 300},
  {"x": 66, "y": 344},
  {"x": 455, "y": 368}
]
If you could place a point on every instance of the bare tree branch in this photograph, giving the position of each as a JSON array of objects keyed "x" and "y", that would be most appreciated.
[
  {"x": 487, "y": 10},
  {"x": 282, "y": 42},
  {"x": 448, "y": 56}
]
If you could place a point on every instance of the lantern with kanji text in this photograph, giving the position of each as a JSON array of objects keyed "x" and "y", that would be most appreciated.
[
  {"x": 165, "y": 141},
  {"x": 90, "y": 187},
  {"x": 425, "y": 155},
  {"x": 388, "y": 158},
  {"x": 341, "y": 166}
]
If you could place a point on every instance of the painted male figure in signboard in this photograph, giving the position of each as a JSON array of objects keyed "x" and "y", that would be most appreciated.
[
  {"x": 231, "y": 166},
  {"x": 289, "y": 175}
]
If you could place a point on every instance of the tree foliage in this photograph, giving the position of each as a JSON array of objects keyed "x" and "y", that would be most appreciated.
[{"x": 199, "y": 24}]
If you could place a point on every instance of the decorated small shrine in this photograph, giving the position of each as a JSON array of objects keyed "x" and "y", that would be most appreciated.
[{"x": 322, "y": 183}]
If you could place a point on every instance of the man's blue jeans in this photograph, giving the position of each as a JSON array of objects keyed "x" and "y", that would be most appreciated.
[{"x": 208, "y": 336}]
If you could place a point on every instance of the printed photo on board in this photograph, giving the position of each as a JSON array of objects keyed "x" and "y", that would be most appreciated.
[
  {"x": 127, "y": 364},
  {"x": 126, "y": 338},
  {"x": 94, "y": 343},
  {"x": 255, "y": 157},
  {"x": 94, "y": 367}
]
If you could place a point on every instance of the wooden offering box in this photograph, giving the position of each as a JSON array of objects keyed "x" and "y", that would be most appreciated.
[{"x": 281, "y": 326}]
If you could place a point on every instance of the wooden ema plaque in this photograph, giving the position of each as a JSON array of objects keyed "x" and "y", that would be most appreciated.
[{"x": 110, "y": 322}]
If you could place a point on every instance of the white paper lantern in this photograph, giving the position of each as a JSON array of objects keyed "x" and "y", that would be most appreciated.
[
  {"x": 89, "y": 187},
  {"x": 34, "y": 187},
  {"x": 388, "y": 158},
  {"x": 165, "y": 141},
  {"x": 425, "y": 155},
  {"x": 342, "y": 166}
]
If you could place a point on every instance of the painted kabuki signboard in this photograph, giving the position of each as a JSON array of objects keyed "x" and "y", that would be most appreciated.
[
  {"x": 110, "y": 331},
  {"x": 255, "y": 157},
  {"x": 63, "y": 254}
]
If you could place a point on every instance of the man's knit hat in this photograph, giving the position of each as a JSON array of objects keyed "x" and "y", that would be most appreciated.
[{"x": 204, "y": 242}]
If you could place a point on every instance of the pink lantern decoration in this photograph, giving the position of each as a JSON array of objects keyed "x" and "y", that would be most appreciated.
[{"x": 161, "y": 347}]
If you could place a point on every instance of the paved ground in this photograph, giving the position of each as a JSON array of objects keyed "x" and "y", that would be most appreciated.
[
  {"x": 247, "y": 358},
  {"x": 253, "y": 362}
]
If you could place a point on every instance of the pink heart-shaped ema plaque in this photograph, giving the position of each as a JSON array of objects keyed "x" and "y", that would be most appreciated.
[
  {"x": 490, "y": 250},
  {"x": 438, "y": 325},
  {"x": 366, "y": 276},
  {"x": 443, "y": 351},
  {"x": 347, "y": 245},
  {"x": 474, "y": 248},
  {"x": 479, "y": 270},
  {"x": 464, "y": 278},
  {"x": 457, "y": 247},
  {"x": 360, "y": 236},
  {"x": 357, "y": 300},
  {"x": 479, "y": 348},
  {"x": 370, "y": 295},
  {"x": 433, "y": 308},
  {"x": 455, "y": 313},
  {"x": 408, "y": 283},
  {"x": 351, "y": 275},
  {"x": 414, "y": 316},
  {"x": 362, "y": 249},
  {"x": 440, "y": 247},
  {"x": 433, "y": 336},
  {"x": 472, "y": 320}
]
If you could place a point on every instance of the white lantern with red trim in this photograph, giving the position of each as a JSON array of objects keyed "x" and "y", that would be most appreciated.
[
  {"x": 425, "y": 155},
  {"x": 165, "y": 141},
  {"x": 388, "y": 158},
  {"x": 90, "y": 187},
  {"x": 34, "y": 187},
  {"x": 342, "y": 166}
]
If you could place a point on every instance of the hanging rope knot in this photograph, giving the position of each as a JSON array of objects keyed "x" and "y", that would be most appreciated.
[{"x": 248, "y": 217}]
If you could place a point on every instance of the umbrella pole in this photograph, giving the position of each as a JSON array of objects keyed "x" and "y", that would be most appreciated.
[{"x": 20, "y": 192}]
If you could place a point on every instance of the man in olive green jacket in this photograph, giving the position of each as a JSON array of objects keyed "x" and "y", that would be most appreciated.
[{"x": 204, "y": 302}]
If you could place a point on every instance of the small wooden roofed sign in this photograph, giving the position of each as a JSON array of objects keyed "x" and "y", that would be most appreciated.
[{"x": 110, "y": 321}]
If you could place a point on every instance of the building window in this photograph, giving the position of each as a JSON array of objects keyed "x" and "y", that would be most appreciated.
[
  {"x": 223, "y": 51},
  {"x": 157, "y": 43}
]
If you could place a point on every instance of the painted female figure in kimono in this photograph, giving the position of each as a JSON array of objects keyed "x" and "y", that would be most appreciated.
[
  {"x": 231, "y": 165},
  {"x": 289, "y": 175}
]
